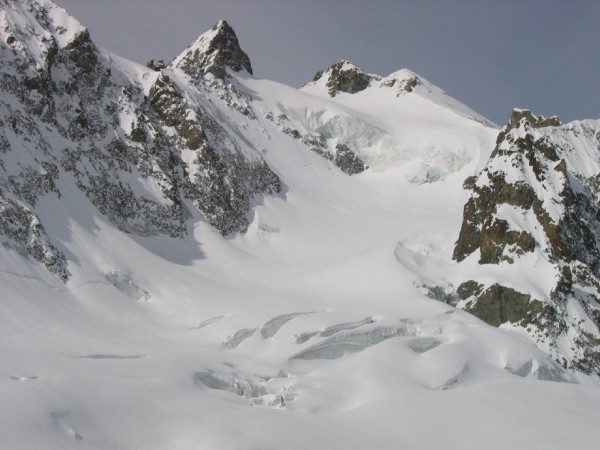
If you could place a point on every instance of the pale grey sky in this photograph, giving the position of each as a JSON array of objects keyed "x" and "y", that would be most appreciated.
[{"x": 491, "y": 55}]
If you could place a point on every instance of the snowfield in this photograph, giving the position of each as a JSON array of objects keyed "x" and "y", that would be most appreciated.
[
  {"x": 308, "y": 331},
  {"x": 314, "y": 328}
]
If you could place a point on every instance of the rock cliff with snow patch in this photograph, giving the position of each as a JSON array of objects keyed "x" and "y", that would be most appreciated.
[
  {"x": 538, "y": 196},
  {"x": 214, "y": 52},
  {"x": 344, "y": 76}
]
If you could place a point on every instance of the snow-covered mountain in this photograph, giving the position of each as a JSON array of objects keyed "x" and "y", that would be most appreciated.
[{"x": 196, "y": 257}]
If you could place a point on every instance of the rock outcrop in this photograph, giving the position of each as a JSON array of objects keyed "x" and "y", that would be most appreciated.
[
  {"x": 538, "y": 195},
  {"x": 347, "y": 160},
  {"x": 344, "y": 76}
]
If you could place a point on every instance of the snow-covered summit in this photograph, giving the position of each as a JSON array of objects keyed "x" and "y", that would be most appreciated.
[
  {"x": 344, "y": 77},
  {"x": 404, "y": 82},
  {"x": 413, "y": 125},
  {"x": 214, "y": 52}
]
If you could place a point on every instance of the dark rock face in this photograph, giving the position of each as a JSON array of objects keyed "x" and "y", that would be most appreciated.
[
  {"x": 529, "y": 173},
  {"x": 568, "y": 238},
  {"x": 343, "y": 157},
  {"x": 532, "y": 120},
  {"x": 403, "y": 86},
  {"x": 227, "y": 49},
  {"x": 347, "y": 160},
  {"x": 215, "y": 51},
  {"x": 497, "y": 242},
  {"x": 293, "y": 133},
  {"x": 318, "y": 144},
  {"x": 173, "y": 111},
  {"x": 69, "y": 114},
  {"x": 22, "y": 230},
  {"x": 82, "y": 51},
  {"x": 480, "y": 232},
  {"x": 224, "y": 186},
  {"x": 344, "y": 77},
  {"x": 498, "y": 304},
  {"x": 156, "y": 66},
  {"x": 224, "y": 182}
]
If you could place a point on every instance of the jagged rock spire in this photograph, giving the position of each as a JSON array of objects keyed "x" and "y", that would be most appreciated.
[{"x": 213, "y": 52}]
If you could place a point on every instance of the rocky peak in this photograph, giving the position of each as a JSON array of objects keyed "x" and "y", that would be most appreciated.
[
  {"x": 526, "y": 117},
  {"x": 537, "y": 196},
  {"x": 344, "y": 76},
  {"x": 214, "y": 52}
]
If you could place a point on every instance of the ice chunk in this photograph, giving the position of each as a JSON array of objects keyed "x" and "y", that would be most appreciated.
[
  {"x": 250, "y": 387},
  {"x": 350, "y": 342},
  {"x": 127, "y": 286},
  {"x": 546, "y": 371},
  {"x": 236, "y": 339},
  {"x": 207, "y": 322},
  {"x": 271, "y": 327},
  {"x": 523, "y": 370},
  {"x": 423, "y": 344},
  {"x": 236, "y": 384},
  {"x": 552, "y": 372},
  {"x": 303, "y": 337},
  {"x": 333, "y": 329}
]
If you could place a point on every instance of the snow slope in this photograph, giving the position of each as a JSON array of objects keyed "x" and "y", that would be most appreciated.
[
  {"x": 311, "y": 329},
  {"x": 304, "y": 332}
]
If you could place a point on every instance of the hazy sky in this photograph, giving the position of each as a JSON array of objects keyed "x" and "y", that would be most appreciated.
[{"x": 492, "y": 55}]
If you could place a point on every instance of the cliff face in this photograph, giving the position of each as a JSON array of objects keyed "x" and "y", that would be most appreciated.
[{"x": 538, "y": 196}]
